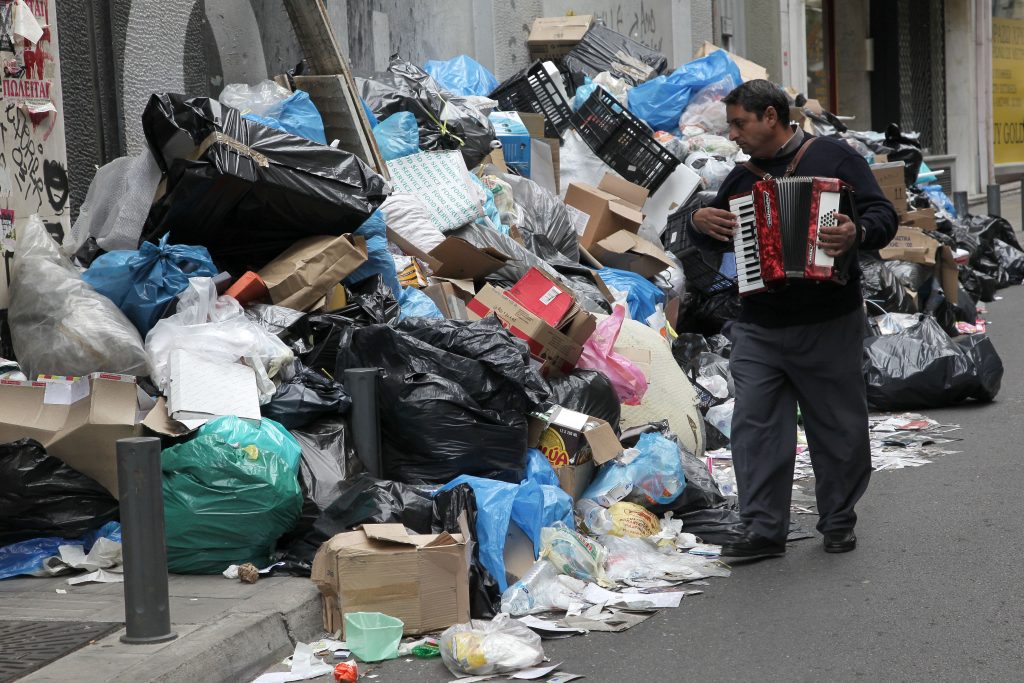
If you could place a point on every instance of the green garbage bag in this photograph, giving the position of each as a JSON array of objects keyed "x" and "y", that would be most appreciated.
[
  {"x": 225, "y": 505},
  {"x": 265, "y": 434}
]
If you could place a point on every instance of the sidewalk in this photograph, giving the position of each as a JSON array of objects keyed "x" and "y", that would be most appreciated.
[{"x": 227, "y": 630}]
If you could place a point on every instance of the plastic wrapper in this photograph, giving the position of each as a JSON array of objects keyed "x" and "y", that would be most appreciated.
[
  {"x": 921, "y": 367},
  {"x": 446, "y": 121},
  {"x": 574, "y": 554},
  {"x": 117, "y": 204},
  {"x": 306, "y": 396},
  {"x": 453, "y": 396},
  {"x": 652, "y": 474},
  {"x": 543, "y": 213},
  {"x": 215, "y": 328},
  {"x": 449, "y": 506},
  {"x": 602, "y": 49},
  {"x": 143, "y": 283},
  {"x": 225, "y": 505},
  {"x": 598, "y": 354},
  {"x": 578, "y": 163},
  {"x": 712, "y": 168},
  {"x": 661, "y": 101},
  {"x": 296, "y": 115},
  {"x": 397, "y": 136},
  {"x": 637, "y": 559},
  {"x": 882, "y": 290},
  {"x": 254, "y": 190},
  {"x": 618, "y": 87},
  {"x": 487, "y": 647},
  {"x": 41, "y": 496},
  {"x": 462, "y": 75},
  {"x": 586, "y": 391},
  {"x": 1011, "y": 259},
  {"x": 59, "y": 324}
]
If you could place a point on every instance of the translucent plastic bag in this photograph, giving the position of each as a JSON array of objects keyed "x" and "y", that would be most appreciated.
[
  {"x": 262, "y": 99},
  {"x": 661, "y": 101},
  {"x": 706, "y": 111},
  {"x": 654, "y": 474},
  {"x": 541, "y": 589},
  {"x": 637, "y": 559},
  {"x": 712, "y": 168},
  {"x": 579, "y": 164},
  {"x": 599, "y": 354},
  {"x": 486, "y": 647},
  {"x": 397, "y": 136},
  {"x": 713, "y": 144},
  {"x": 59, "y": 324},
  {"x": 296, "y": 115},
  {"x": 406, "y": 215},
  {"x": 574, "y": 554},
  {"x": 215, "y": 328}
]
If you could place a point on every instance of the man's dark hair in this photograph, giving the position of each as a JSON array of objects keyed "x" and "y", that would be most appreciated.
[{"x": 757, "y": 95}]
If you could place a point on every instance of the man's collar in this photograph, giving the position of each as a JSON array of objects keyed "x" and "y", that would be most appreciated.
[{"x": 794, "y": 142}]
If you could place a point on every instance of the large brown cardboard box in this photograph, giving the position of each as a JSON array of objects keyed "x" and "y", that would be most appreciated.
[
  {"x": 615, "y": 204},
  {"x": 627, "y": 251},
  {"x": 889, "y": 173},
  {"x": 923, "y": 219},
  {"x": 553, "y": 37},
  {"x": 454, "y": 258},
  {"x": 77, "y": 421},
  {"x": 303, "y": 274},
  {"x": 421, "y": 579}
]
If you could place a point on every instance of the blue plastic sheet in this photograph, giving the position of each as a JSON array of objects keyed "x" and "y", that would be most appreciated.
[
  {"x": 26, "y": 557},
  {"x": 397, "y": 136},
  {"x": 654, "y": 476},
  {"x": 462, "y": 75},
  {"x": 415, "y": 304},
  {"x": 661, "y": 101},
  {"x": 296, "y": 115},
  {"x": 379, "y": 261},
  {"x": 265, "y": 434},
  {"x": 937, "y": 196},
  {"x": 142, "y": 283},
  {"x": 529, "y": 506},
  {"x": 642, "y": 295}
]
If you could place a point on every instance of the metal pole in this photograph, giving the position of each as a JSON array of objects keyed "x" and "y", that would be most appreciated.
[
  {"x": 362, "y": 386},
  {"x": 960, "y": 204},
  {"x": 147, "y": 614},
  {"x": 994, "y": 208}
]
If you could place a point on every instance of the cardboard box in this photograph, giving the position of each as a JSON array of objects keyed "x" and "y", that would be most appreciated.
[
  {"x": 304, "y": 273},
  {"x": 748, "y": 70},
  {"x": 572, "y": 438},
  {"x": 557, "y": 350},
  {"x": 911, "y": 244},
  {"x": 535, "y": 123},
  {"x": 897, "y": 194},
  {"x": 450, "y": 299},
  {"x": 553, "y": 37},
  {"x": 626, "y": 251},
  {"x": 924, "y": 219},
  {"x": 78, "y": 421},
  {"x": 574, "y": 479},
  {"x": 889, "y": 173},
  {"x": 455, "y": 258},
  {"x": 611, "y": 206},
  {"x": 421, "y": 579}
]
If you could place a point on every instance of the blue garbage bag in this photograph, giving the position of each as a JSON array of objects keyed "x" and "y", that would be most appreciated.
[
  {"x": 378, "y": 261},
  {"x": 296, "y": 115},
  {"x": 462, "y": 75},
  {"x": 528, "y": 505},
  {"x": 642, "y": 295},
  {"x": 265, "y": 434},
  {"x": 661, "y": 101},
  {"x": 398, "y": 136},
  {"x": 26, "y": 557},
  {"x": 142, "y": 283},
  {"x": 656, "y": 475},
  {"x": 415, "y": 304},
  {"x": 583, "y": 93},
  {"x": 940, "y": 198},
  {"x": 539, "y": 469}
]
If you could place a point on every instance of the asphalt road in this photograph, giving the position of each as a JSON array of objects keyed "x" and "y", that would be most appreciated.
[{"x": 932, "y": 593}]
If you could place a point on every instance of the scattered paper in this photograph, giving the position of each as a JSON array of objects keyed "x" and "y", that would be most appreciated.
[
  {"x": 563, "y": 677},
  {"x": 98, "y": 576},
  {"x": 534, "y": 672},
  {"x": 596, "y": 594},
  {"x": 25, "y": 23},
  {"x": 547, "y": 626},
  {"x": 304, "y": 665}
]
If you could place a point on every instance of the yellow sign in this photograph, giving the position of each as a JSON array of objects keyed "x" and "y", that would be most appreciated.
[{"x": 1008, "y": 90}]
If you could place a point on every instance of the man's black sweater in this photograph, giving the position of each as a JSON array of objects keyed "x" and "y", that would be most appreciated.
[{"x": 802, "y": 302}]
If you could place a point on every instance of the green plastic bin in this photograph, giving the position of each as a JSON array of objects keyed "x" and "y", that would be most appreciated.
[{"x": 372, "y": 636}]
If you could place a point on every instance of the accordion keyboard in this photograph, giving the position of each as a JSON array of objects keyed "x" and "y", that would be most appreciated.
[{"x": 748, "y": 263}]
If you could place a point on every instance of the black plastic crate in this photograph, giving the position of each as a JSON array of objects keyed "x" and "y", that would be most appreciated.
[
  {"x": 623, "y": 141},
  {"x": 674, "y": 239},
  {"x": 701, "y": 276},
  {"x": 533, "y": 90}
]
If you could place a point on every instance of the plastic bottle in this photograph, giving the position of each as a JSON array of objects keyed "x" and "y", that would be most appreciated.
[
  {"x": 525, "y": 595},
  {"x": 596, "y": 519}
]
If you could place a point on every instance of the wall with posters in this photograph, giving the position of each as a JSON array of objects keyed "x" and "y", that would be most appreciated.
[{"x": 1008, "y": 90}]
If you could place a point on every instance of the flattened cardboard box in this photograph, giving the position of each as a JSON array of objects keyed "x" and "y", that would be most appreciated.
[
  {"x": 450, "y": 299},
  {"x": 626, "y": 251},
  {"x": 611, "y": 206},
  {"x": 454, "y": 258},
  {"x": 421, "y": 579},
  {"x": 303, "y": 274},
  {"x": 78, "y": 421}
]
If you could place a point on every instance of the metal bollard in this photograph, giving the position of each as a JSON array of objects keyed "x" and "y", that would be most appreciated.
[
  {"x": 994, "y": 208},
  {"x": 960, "y": 204},
  {"x": 147, "y": 614},
  {"x": 362, "y": 386}
]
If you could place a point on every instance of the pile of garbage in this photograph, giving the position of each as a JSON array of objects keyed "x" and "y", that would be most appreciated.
[{"x": 465, "y": 346}]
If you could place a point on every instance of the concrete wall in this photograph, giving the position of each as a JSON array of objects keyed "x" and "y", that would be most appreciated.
[
  {"x": 764, "y": 36},
  {"x": 851, "y": 62}
]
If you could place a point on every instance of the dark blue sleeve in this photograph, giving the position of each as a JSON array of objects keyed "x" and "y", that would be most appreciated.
[
  {"x": 877, "y": 214},
  {"x": 721, "y": 201}
]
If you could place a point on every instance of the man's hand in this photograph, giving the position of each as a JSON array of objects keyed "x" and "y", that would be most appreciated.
[
  {"x": 839, "y": 239},
  {"x": 715, "y": 223}
]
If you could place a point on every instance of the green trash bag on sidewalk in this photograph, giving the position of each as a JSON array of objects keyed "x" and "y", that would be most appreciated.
[{"x": 225, "y": 505}]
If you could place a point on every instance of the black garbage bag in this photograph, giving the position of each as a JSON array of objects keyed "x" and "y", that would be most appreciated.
[
  {"x": 686, "y": 348},
  {"x": 588, "y": 392},
  {"x": 1010, "y": 259},
  {"x": 254, "y": 190},
  {"x": 41, "y": 496},
  {"x": 906, "y": 148},
  {"x": 938, "y": 307},
  {"x": 543, "y": 214},
  {"x": 446, "y": 121},
  {"x": 987, "y": 362},
  {"x": 989, "y": 228},
  {"x": 484, "y": 594},
  {"x": 882, "y": 290},
  {"x": 305, "y": 397},
  {"x": 965, "y": 238},
  {"x": 364, "y": 500},
  {"x": 274, "y": 319},
  {"x": 922, "y": 367},
  {"x": 707, "y": 315},
  {"x": 910, "y": 275},
  {"x": 718, "y": 525},
  {"x": 980, "y": 286},
  {"x": 603, "y": 49},
  {"x": 453, "y": 397}
]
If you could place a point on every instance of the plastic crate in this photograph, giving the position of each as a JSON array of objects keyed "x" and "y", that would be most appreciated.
[
  {"x": 674, "y": 239},
  {"x": 623, "y": 141},
  {"x": 534, "y": 91},
  {"x": 701, "y": 276}
]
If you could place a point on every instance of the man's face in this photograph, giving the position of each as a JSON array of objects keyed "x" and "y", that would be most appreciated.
[{"x": 755, "y": 137}]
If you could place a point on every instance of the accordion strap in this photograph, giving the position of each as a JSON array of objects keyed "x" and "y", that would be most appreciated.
[{"x": 790, "y": 170}]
